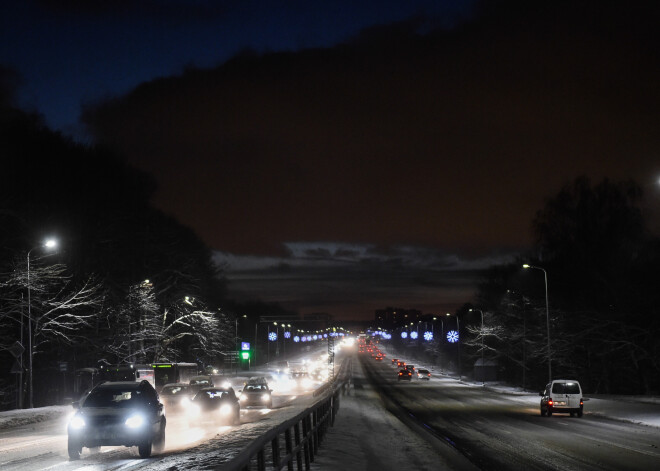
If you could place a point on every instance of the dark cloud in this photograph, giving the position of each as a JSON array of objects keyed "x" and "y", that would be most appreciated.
[{"x": 352, "y": 281}]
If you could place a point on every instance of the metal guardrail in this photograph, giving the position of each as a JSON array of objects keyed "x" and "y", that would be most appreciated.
[{"x": 298, "y": 439}]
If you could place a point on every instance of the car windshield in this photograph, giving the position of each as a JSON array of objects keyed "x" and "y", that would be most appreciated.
[
  {"x": 211, "y": 396},
  {"x": 174, "y": 390},
  {"x": 255, "y": 387},
  {"x": 566, "y": 388},
  {"x": 122, "y": 398},
  {"x": 424, "y": 372}
]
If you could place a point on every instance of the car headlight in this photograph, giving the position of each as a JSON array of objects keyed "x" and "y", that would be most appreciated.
[
  {"x": 225, "y": 409},
  {"x": 135, "y": 421},
  {"x": 265, "y": 397},
  {"x": 185, "y": 402},
  {"x": 239, "y": 396},
  {"x": 77, "y": 422}
]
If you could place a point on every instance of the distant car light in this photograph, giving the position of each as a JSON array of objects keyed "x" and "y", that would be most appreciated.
[{"x": 135, "y": 421}]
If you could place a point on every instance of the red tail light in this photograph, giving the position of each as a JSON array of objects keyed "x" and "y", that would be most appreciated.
[
  {"x": 581, "y": 403},
  {"x": 550, "y": 402}
]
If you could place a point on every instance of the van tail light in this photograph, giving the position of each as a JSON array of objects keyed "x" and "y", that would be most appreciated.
[
  {"x": 581, "y": 403},
  {"x": 550, "y": 402}
]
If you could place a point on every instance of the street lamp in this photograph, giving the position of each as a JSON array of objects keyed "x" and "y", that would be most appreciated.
[
  {"x": 483, "y": 366},
  {"x": 547, "y": 315},
  {"x": 49, "y": 244}
]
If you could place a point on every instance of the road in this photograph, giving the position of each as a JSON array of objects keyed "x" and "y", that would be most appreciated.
[
  {"x": 43, "y": 445},
  {"x": 498, "y": 431}
]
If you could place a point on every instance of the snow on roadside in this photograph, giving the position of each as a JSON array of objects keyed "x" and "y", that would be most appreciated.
[{"x": 19, "y": 417}]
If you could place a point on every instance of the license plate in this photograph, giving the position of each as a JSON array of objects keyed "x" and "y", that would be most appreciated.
[{"x": 561, "y": 403}]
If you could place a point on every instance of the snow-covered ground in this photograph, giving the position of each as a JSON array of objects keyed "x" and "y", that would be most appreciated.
[{"x": 365, "y": 435}]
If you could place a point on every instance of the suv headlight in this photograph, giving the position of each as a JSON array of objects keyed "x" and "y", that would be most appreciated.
[
  {"x": 225, "y": 409},
  {"x": 77, "y": 422},
  {"x": 135, "y": 421},
  {"x": 265, "y": 397}
]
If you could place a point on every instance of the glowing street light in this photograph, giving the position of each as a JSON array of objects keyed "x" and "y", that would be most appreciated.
[
  {"x": 49, "y": 244},
  {"x": 547, "y": 316}
]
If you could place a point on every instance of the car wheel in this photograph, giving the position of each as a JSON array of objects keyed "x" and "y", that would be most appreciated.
[
  {"x": 542, "y": 412},
  {"x": 145, "y": 449},
  {"x": 237, "y": 418},
  {"x": 579, "y": 412},
  {"x": 159, "y": 443},
  {"x": 74, "y": 448},
  {"x": 549, "y": 413}
]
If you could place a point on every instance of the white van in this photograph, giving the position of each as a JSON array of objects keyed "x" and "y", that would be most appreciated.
[{"x": 562, "y": 395}]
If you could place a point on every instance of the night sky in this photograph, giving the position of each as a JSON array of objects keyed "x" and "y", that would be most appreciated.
[{"x": 346, "y": 156}]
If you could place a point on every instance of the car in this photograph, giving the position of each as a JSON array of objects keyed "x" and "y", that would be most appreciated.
[
  {"x": 201, "y": 381},
  {"x": 176, "y": 396},
  {"x": 424, "y": 374},
  {"x": 562, "y": 395},
  {"x": 215, "y": 404},
  {"x": 411, "y": 368},
  {"x": 394, "y": 361},
  {"x": 404, "y": 374},
  {"x": 256, "y": 394},
  {"x": 122, "y": 413},
  {"x": 401, "y": 364}
]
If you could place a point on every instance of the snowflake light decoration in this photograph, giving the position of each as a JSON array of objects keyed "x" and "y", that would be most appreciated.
[
  {"x": 404, "y": 335},
  {"x": 315, "y": 337},
  {"x": 296, "y": 339},
  {"x": 272, "y": 336},
  {"x": 413, "y": 334},
  {"x": 287, "y": 335},
  {"x": 428, "y": 336},
  {"x": 452, "y": 336}
]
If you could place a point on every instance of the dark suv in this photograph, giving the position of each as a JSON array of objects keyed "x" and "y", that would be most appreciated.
[{"x": 118, "y": 413}]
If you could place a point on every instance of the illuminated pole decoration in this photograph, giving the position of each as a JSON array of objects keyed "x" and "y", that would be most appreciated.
[
  {"x": 404, "y": 335},
  {"x": 287, "y": 334},
  {"x": 428, "y": 336},
  {"x": 296, "y": 339},
  {"x": 272, "y": 336},
  {"x": 413, "y": 335},
  {"x": 452, "y": 336}
]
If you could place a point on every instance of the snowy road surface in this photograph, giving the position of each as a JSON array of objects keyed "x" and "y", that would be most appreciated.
[
  {"x": 36, "y": 439},
  {"x": 491, "y": 429}
]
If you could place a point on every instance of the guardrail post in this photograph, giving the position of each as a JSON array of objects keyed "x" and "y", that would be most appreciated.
[
  {"x": 315, "y": 432},
  {"x": 289, "y": 449},
  {"x": 276, "y": 452},
  {"x": 261, "y": 461},
  {"x": 307, "y": 447},
  {"x": 296, "y": 433}
]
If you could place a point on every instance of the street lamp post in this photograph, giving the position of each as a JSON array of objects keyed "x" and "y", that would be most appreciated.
[
  {"x": 547, "y": 316},
  {"x": 50, "y": 243},
  {"x": 483, "y": 366}
]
